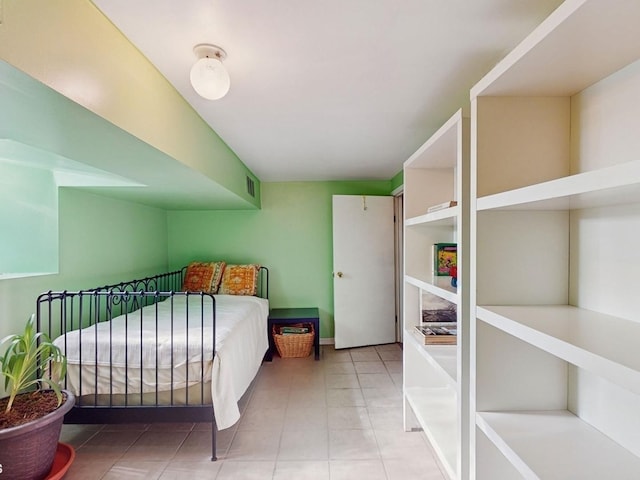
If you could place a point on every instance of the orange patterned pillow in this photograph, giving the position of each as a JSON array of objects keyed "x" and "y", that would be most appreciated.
[
  {"x": 199, "y": 277},
  {"x": 240, "y": 280}
]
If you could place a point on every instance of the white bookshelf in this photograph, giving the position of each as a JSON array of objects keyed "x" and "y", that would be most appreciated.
[
  {"x": 555, "y": 229},
  {"x": 436, "y": 376}
]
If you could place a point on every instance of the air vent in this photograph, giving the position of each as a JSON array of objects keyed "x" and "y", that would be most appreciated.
[{"x": 251, "y": 189}]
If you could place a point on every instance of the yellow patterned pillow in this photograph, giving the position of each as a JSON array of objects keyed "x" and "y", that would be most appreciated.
[
  {"x": 240, "y": 280},
  {"x": 199, "y": 277},
  {"x": 218, "y": 270}
]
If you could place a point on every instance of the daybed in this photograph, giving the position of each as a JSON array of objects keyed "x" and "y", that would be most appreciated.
[{"x": 163, "y": 348}]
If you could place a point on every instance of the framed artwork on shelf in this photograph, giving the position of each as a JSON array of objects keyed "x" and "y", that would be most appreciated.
[{"x": 445, "y": 256}]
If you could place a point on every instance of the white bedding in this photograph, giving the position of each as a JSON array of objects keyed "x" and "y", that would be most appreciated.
[{"x": 241, "y": 341}]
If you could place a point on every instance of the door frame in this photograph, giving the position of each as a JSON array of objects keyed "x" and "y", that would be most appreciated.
[{"x": 398, "y": 225}]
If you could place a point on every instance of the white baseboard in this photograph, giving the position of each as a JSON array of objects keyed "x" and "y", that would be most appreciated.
[{"x": 327, "y": 341}]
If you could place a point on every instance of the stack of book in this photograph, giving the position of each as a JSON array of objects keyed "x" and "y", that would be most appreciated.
[{"x": 441, "y": 334}]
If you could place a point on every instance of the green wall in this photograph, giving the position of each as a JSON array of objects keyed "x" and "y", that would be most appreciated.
[
  {"x": 397, "y": 180},
  {"x": 291, "y": 235},
  {"x": 101, "y": 240},
  {"x": 104, "y": 240},
  {"x": 28, "y": 219}
]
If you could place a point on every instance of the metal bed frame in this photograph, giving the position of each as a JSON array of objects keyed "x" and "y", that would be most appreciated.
[{"x": 63, "y": 311}]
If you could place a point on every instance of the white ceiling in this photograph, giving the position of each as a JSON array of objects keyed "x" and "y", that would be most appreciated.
[{"x": 329, "y": 89}]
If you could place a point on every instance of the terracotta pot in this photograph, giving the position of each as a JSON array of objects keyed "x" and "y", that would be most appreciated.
[{"x": 27, "y": 451}]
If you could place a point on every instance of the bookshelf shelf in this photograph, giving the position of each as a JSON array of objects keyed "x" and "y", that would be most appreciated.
[
  {"x": 576, "y": 336},
  {"x": 615, "y": 185},
  {"x": 446, "y": 217},
  {"x": 581, "y": 43},
  {"x": 535, "y": 442},
  {"x": 442, "y": 357},
  {"x": 440, "y": 286}
]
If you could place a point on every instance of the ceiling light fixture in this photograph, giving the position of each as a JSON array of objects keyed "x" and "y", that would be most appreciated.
[{"x": 209, "y": 78}]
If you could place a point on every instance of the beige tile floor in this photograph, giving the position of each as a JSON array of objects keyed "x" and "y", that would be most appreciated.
[{"x": 335, "y": 419}]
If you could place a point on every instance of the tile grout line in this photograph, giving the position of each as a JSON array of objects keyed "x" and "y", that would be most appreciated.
[{"x": 275, "y": 462}]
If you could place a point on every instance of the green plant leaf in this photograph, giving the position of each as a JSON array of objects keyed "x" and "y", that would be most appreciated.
[{"x": 26, "y": 355}]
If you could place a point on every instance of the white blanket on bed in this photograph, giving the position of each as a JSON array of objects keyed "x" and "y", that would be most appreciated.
[{"x": 241, "y": 341}]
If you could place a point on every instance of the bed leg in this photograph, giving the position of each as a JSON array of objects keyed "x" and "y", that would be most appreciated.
[{"x": 214, "y": 427}]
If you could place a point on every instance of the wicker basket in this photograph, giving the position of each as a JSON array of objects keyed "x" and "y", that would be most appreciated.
[{"x": 295, "y": 345}]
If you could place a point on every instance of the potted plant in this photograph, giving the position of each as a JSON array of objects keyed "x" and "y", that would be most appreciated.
[{"x": 31, "y": 416}]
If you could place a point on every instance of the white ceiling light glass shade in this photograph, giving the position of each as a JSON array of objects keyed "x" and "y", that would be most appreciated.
[{"x": 209, "y": 77}]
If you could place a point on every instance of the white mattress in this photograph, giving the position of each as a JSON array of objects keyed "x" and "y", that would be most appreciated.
[{"x": 241, "y": 341}]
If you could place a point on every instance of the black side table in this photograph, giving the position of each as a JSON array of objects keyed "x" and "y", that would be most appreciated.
[{"x": 286, "y": 316}]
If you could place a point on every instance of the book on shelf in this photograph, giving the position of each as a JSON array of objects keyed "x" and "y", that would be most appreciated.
[
  {"x": 437, "y": 334},
  {"x": 435, "y": 309},
  {"x": 442, "y": 206},
  {"x": 293, "y": 330},
  {"x": 446, "y": 315},
  {"x": 445, "y": 256}
]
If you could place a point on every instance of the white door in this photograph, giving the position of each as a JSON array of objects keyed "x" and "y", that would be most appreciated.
[{"x": 363, "y": 270}]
